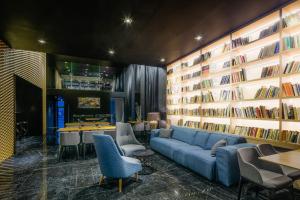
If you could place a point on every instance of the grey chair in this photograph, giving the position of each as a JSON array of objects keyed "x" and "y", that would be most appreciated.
[
  {"x": 112, "y": 133},
  {"x": 139, "y": 128},
  {"x": 263, "y": 174},
  {"x": 267, "y": 150},
  {"x": 126, "y": 140},
  {"x": 88, "y": 139},
  {"x": 68, "y": 139}
]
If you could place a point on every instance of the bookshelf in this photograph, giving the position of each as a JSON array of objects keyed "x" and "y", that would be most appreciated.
[{"x": 220, "y": 82}]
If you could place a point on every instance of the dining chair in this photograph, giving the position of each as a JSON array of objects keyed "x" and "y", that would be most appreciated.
[
  {"x": 267, "y": 150},
  {"x": 88, "y": 140},
  {"x": 263, "y": 174},
  {"x": 112, "y": 163},
  {"x": 68, "y": 139}
]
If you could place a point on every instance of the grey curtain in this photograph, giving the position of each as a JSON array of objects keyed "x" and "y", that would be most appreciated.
[{"x": 147, "y": 81}]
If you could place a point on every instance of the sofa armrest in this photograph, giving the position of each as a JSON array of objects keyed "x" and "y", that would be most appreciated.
[
  {"x": 154, "y": 133},
  {"x": 227, "y": 167}
]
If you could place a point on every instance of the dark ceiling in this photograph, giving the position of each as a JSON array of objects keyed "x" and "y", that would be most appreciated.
[{"x": 161, "y": 28}]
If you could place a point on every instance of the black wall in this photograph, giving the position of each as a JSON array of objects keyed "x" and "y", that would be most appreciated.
[
  {"x": 71, "y": 102},
  {"x": 29, "y": 105}
]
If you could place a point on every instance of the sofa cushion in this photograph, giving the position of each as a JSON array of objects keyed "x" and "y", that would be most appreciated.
[
  {"x": 166, "y": 146},
  {"x": 181, "y": 152},
  {"x": 235, "y": 139},
  {"x": 202, "y": 162},
  {"x": 220, "y": 143},
  {"x": 200, "y": 138},
  {"x": 213, "y": 139},
  {"x": 183, "y": 134}
]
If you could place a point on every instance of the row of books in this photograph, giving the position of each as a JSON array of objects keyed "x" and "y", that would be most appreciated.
[
  {"x": 208, "y": 97},
  {"x": 225, "y": 79},
  {"x": 290, "y": 136},
  {"x": 186, "y": 77},
  {"x": 270, "y": 71},
  {"x": 225, "y": 95},
  {"x": 190, "y": 112},
  {"x": 192, "y": 124},
  {"x": 237, "y": 60},
  {"x": 215, "y": 112},
  {"x": 268, "y": 134},
  {"x": 226, "y": 48},
  {"x": 270, "y": 30},
  {"x": 203, "y": 84},
  {"x": 291, "y": 42},
  {"x": 216, "y": 127},
  {"x": 292, "y": 67},
  {"x": 205, "y": 70},
  {"x": 291, "y": 90},
  {"x": 264, "y": 92},
  {"x": 269, "y": 50},
  {"x": 290, "y": 112},
  {"x": 196, "y": 74},
  {"x": 238, "y": 76},
  {"x": 291, "y": 19},
  {"x": 185, "y": 89},
  {"x": 237, "y": 94},
  {"x": 240, "y": 42},
  {"x": 256, "y": 112},
  {"x": 226, "y": 64},
  {"x": 202, "y": 58}
]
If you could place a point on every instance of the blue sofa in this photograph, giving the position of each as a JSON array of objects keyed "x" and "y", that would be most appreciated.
[{"x": 192, "y": 149}]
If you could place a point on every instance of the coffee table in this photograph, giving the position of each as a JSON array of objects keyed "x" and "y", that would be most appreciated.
[{"x": 143, "y": 156}]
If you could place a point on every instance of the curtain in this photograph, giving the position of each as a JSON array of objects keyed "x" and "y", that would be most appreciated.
[{"x": 148, "y": 84}]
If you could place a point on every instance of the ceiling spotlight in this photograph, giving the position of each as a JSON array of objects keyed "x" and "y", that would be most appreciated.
[
  {"x": 198, "y": 37},
  {"x": 162, "y": 60},
  {"x": 111, "y": 52},
  {"x": 127, "y": 20},
  {"x": 41, "y": 41}
]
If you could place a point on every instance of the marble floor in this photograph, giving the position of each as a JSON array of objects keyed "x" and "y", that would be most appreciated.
[{"x": 36, "y": 173}]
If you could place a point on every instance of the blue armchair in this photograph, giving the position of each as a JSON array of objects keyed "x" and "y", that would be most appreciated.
[{"x": 112, "y": 163}]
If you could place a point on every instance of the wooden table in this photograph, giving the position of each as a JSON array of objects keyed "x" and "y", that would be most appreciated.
[
  {"x": 289, "y": 159},
  {"x": 87, "y": 128},
  {"x": 86, "y": 123}
]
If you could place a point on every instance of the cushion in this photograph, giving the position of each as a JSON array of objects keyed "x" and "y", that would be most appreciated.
[
  {"x": 166, "y": 146},
  {"x": 235, "y": 139},
  {"x": 128, "y": 149},
  {"x": 165, "y": 133},
  {"x": 220, "y": 143},
  {"x": 183, "y": 134},
  {"x": 181, "y": 152},
  {"x": 213, "y": 139},
  {"x": 200, "y": 138}
]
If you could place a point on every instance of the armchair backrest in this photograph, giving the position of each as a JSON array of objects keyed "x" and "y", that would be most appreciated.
[
  {"x": 124, "y": 134},
  {"x": 266, "y": 149},
  {"x": 246, "y": 157},
  {"x": 109, "y": 158},
  {"x": 69, "y": 138}
]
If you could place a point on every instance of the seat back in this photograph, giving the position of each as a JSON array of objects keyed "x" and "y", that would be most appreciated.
[
  {"x": 124, "y": 134},
  {"x": 69, "y": 138},
  {"x": 266, "y": 149},
  {"x": 112, "y": 133},
  {"x": 87, "y": 136},
  {"x": 109, "y": 158},
  {"x": 247, "y": 157}
]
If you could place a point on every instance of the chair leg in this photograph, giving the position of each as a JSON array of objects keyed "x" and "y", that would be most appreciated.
[
  {"x": 63, "y": 149},
  {"x": 240, "y": 187},
  {"x": 59, "y": 152},
  {"x": 101, "y": 180},
  {"x": 136, "y": 176},
  {"x": 120, "y": 185},
  {"x": 77, "y": 152},
  {"x": 84, "y": 150},
  {"x": 291, "y": 189}
]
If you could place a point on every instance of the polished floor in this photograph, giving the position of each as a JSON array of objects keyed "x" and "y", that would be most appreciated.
[{"x": 35, "y": 173}]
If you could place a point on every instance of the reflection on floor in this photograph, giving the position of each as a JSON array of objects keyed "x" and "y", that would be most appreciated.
[{"x": 36, "y": 174}]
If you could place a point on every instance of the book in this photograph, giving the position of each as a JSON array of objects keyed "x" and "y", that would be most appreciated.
[
  {"x": 290, "y": 112},
  {"x": 225, "y": 80},
  {"x": 270, "y": 71},
  {"x": 291, "y": 42},
  {"x": 251, "y": 112},
  {"x": 237, "y": 60},
  {"x": 225, "y": 95},
  {"x": 269, "y": 50},
  {"x": 215, "y": 112},
  {"x": 237, "y": 93},
  {"x": 264, "y": 92},
  {"x": 205, "y": 70},
  {"x": 255, "y": 132},
  {"x": 216, "y": 127},
  {"x": 238, "y": 76},
  {"x": 290, "y": 90},
  {"x": 291, "y": 19},
  {"x": 292, "y": 67}
]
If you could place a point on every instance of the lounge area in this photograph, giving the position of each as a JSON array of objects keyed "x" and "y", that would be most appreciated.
[{"x": 150, "y": 100}]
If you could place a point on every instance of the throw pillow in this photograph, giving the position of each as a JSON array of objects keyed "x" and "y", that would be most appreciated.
[
  {"x": 220, "y": 143},
  {"x": 165, "y": 133}
]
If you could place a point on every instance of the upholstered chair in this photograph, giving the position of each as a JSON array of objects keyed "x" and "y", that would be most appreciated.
[
  {"x": 126, "y": 140},
  {"x": 112, "y": 163},
  {"x": 267, "y": 150},
  {"x": 88, "y": 139},
  {"x": 261, "y": 173},
  {"x": 67, "y": 139}
]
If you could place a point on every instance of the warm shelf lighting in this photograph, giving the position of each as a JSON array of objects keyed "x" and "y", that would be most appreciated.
[
  {"x": 127, "y": 20},
  {"x": 198, "y": 37}
]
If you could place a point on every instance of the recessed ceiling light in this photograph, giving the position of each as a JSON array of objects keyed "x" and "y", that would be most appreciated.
[
  {"x": 41, "y": 41},
  {"x": 162, "y": 60},
  {"x": 111, "y": 52},
  {"x": 198, "y": 37},
  {"x": 66, "y": 62},
  {"x": 127, "y": 20}
]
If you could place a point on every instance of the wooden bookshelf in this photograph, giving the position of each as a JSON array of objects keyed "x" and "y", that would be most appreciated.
[{"x": 252, "y": 68}]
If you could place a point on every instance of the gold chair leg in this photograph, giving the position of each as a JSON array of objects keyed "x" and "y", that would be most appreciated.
[
  {"x": 136, "y": 176},
  {"x": 101, "y": 179},
  {"x": 120, "y": 185}
]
